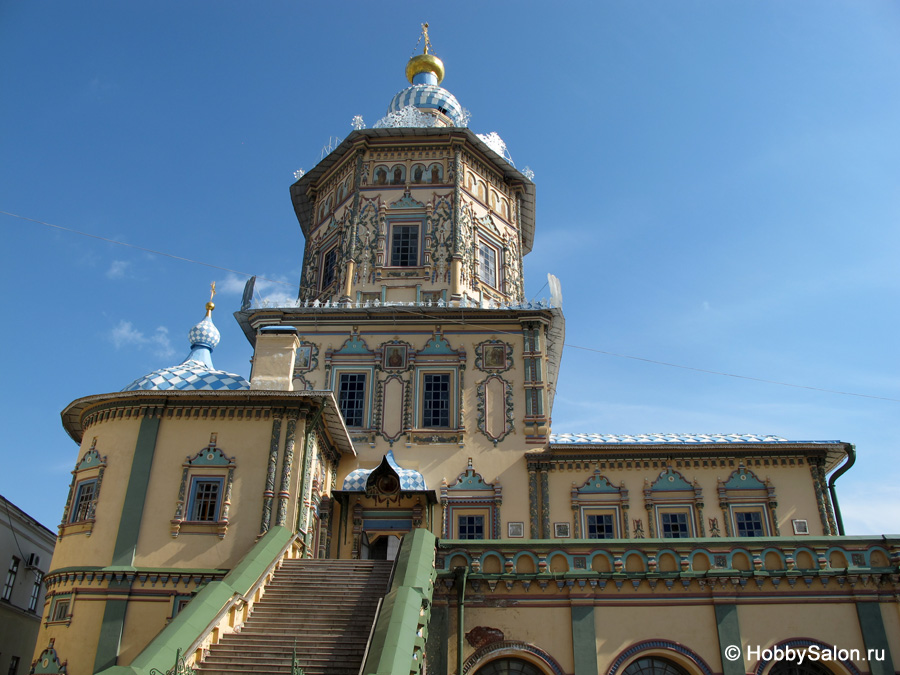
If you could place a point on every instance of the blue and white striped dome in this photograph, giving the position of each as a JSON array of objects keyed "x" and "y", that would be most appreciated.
[
  {"x": 429, "y": 97},
  {"x": 196, "y": 371}
]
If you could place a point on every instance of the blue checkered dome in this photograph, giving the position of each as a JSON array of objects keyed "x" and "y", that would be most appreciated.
[
  {"x": 429, "y": 97},
  {"x": 410, "y": 479},
  {"x": 204, "y": 334},
  {"x": 196, "y": 371}
]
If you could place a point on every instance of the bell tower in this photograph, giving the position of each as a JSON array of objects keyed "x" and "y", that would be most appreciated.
[
  {"x": 412, "y": 311},
  {"x": 416, "y": 209}
]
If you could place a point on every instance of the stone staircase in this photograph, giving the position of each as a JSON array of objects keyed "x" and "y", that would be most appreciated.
[{"x": 325, "y": 606}]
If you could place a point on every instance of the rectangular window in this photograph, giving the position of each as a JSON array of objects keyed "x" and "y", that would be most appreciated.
[
  {"x": 404, "y": 246},
  {"x": 329, "y": 267},
  {"x": 352, "y": 398},
  {"x": 436, "y": 400},
  {"x": 487, "y": 264},
  {"x": 83, "y": 509},
  {"x": 13, "y": 665},
  {"x": 60, "y": 610},
  {"x": 35, "y": 590},
  {"x": 10, "y": 578},
  {"x": 470, "y": 527},
  {"x": 205, "y": 496},
  {"x": 675, "y": 525},
  {"x": 749, "y": 524},
  {"x": 600, "y": 526}
]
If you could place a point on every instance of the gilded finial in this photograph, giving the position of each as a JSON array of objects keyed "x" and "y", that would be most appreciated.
[
  {"x": 426, "y": 62},
  {"x": 212, "y": 293}
]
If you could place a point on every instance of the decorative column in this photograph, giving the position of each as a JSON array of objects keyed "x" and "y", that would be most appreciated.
[
  {"x": 287, "y": 467},
  {"x": 456, "y": 254},
  {"x": 533, "y": 508},
  {"x": 269, "y": 493},
  {"x": 545, "y": 503}
]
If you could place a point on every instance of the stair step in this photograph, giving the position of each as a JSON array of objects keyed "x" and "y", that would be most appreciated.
[{"x": 323, "y": 609}]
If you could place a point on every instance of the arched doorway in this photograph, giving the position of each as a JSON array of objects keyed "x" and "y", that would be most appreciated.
[
  {"x": 653, "y": 665},
  {"x": 804, "y": 668},
  {"x": 509, "y": 665}
]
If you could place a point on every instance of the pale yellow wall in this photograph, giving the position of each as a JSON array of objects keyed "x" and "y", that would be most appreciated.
[
  {"x": 794, "y": 489},
  {"x": 620, "y": 626},
  {"x": 116, "y": 441},
  {"x": 246, "y": 441},
  {"x": 621, "y": 623},
  {"x": 794, "y": 486},
  {"x": 549, "y": 628},
  {"x": 76, "y": 642},
  {"x": 143, "y": 619},
  {"x": 833, "y": 624},
  {"x": 890, "y": 613}
]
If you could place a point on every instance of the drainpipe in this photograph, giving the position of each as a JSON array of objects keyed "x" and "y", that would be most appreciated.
[
  {"x": 461, "y": 575},
  {"x": 851, "y": 458}
]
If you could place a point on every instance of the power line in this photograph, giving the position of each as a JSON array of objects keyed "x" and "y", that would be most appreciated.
[
  {"x": 467, "y": 323},
  {"x": 670, "y": 365},
  {"x": 141, "y": 248}
]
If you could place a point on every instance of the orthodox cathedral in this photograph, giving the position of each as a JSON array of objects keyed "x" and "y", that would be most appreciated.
[{"x": 384, "y": 493}]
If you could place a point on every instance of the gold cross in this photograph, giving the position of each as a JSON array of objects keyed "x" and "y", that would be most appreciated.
[{"x": 425, "y": 35}]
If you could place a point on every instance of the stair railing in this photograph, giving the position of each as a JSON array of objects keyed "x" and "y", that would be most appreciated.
[{"x": 390, "y": 581}]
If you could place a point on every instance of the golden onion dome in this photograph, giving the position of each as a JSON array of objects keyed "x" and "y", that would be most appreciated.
[{"x": 425, "y": 63}]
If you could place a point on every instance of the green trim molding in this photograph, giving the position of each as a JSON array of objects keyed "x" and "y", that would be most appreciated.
[
  {"x": 584, "y": 639},
  {"x": 136, "y": 492},
  {"x": 871, "y": 624},
  {"x": 126, "y": 541},
  {"x": 729, "y": 632}
]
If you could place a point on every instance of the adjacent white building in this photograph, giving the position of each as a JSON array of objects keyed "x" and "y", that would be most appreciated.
[{"x": 26, "y": 547}]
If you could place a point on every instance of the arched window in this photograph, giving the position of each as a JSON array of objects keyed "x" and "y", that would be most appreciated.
[
  {"x": 652, "y": 665},
  {"x": 503, "y": 666},
  {"x": 805, "y": 668}
]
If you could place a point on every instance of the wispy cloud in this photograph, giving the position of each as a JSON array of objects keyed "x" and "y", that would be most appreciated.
[
  {"x": 869, "y": 509},
  {"x": 117, "y": 269},
  {"x": 125, "y": 335},
  {"x": 279, "y": 291}
]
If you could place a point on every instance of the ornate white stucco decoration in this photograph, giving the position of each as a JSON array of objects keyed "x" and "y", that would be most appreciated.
[
  {"x": 528, "y": 173},
  {"x": 357, "y": 122},
  {"x": 497, "y": 144},
  {"x": 410, "y": 116},
  {"x": 298, "y": 174}
]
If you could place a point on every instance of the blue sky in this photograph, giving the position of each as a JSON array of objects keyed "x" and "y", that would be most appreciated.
[{"x": 718, "y": 186}]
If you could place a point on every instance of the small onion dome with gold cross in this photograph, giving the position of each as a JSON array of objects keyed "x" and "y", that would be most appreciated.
[
  {"x": 196, "y": 371},
  {"x": 425, "y": 72}
]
